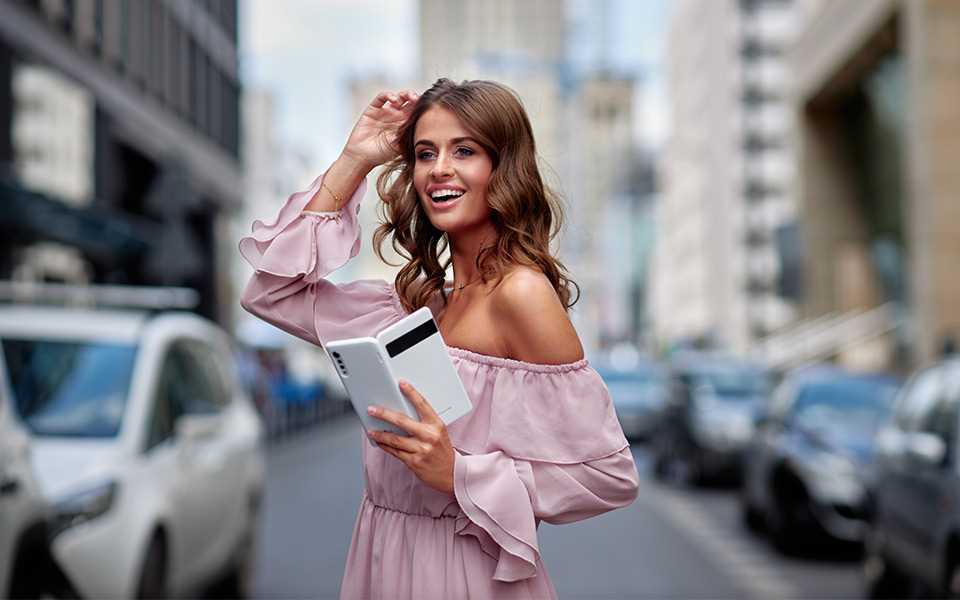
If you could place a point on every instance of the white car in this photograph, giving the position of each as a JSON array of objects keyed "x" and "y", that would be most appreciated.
[
  {"x": 145, "y": 444},
  {"x": 23, "y": 510}
]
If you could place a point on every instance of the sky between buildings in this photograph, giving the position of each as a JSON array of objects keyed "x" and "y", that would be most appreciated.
[{"x": 305, "y": 51}]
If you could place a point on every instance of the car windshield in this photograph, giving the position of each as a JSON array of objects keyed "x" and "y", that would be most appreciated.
[
  {"x": 730, "y": 383},
  {"x": 849, "y": 404},
  {"x": 69, "y": 388}
]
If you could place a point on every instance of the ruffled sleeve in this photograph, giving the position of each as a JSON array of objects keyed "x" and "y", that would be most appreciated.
[
  {"x": 293, "y": 254},
  {"x": 545, "y": 446}
]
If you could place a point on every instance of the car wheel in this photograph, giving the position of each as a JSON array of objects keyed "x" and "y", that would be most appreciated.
[
  {"x": 783, "y": 524},
  {"x": 238, "y": 580},
  {"x": 881, "y": 579},
  {"x": 153, "y": 573},
  {"x": 750, "y": 515},
  {"x": 695, "y": 471},
  {"x": 661, "y": 457}
]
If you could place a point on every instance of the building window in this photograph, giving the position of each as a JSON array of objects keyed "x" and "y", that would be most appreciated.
[
  {"x": 753, "y": 6},
  {"x": 754, "y": 96},
  {"x": 69, "y": 12},
  {"x": 230, "y": 19},
  {"x": 98, "y": 26},
  {"x": 215, "y": 83},
  {"x": 233, "y": 118},
  {"x": 756, "y": 143},
  {"x": 756, "y": 238},
  {"x": 790, "y": 253},
  {"x": 124, "y": 28},
  {"x": 184, "y": 74},
  {"x": 157, "y": 56},
  {"x": 757, "y": 286},
  {"x": 195, "y": 90},
  {"x": 753, "y": 49},
  {"x": 756, "y": 191}
]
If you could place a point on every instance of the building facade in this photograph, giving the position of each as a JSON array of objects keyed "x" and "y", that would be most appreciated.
[
  {"x": 876, "y": 97},
  {"x": 155, "y": 91},
  {"x": 728, "y": 173},
  {"x": 697, "y": 290}
]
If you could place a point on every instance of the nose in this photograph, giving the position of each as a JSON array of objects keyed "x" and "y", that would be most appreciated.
[{"x": 442, "y": 166}]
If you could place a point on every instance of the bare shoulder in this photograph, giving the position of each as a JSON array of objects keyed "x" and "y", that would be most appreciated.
[{"x": 532, "y": 321}]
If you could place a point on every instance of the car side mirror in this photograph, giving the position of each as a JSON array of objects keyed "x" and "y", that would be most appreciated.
[
  {"x": 927, "y": 448},
  {"x": 195, "y": 428},
  {"x": 760, "y": 418},
  {"x": 889, "y": 442}
]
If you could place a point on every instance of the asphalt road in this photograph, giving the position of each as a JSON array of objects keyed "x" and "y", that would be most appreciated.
[{"x": 673, "y": 542}]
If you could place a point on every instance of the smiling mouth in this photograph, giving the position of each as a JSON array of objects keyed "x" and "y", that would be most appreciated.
[{"x": 446, "y": 199}]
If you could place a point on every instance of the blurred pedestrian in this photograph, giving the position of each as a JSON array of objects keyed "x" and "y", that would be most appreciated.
[
  {"x": 452, "y": 511},
  {"x": 948, "y": 346}
]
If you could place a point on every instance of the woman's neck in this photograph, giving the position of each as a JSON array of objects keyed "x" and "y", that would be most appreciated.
[{"x": 465, "y": 246}]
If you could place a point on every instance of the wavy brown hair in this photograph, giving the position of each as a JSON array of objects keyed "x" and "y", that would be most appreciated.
[{"x": 526, "y": 213}]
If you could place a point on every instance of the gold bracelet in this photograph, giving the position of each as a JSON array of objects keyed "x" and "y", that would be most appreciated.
[{"x": 334, "y": 194}]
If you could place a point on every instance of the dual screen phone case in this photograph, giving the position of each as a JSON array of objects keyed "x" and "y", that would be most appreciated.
[{"x": 411, "y": 349}]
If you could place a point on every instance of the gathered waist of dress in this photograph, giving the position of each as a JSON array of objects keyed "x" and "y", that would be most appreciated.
[{"x": 451, "y": 511}]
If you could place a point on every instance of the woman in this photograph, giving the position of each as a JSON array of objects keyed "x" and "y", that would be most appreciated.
[{"x": 452, "y": 511}]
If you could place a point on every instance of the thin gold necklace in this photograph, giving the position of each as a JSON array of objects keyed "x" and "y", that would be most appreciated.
[{"x": 463, "y": 285}]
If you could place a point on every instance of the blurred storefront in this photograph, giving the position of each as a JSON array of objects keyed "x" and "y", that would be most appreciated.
[
  {"x": 119, "y": 143},
  {"x": 876, "y": 92}
]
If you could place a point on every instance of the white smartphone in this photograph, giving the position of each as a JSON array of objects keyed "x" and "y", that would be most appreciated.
[
  {"x": 416, "y": 352},
  {"x": 365, "y": 374}
]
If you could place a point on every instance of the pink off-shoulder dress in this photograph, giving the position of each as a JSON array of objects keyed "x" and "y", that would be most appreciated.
[{"x": 541, "y": 444}]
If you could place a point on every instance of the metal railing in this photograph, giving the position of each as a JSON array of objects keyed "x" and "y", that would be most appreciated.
[{"x": 826, "y": 336}]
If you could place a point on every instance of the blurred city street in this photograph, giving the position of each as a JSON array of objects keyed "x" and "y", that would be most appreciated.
[
  {"x": 673, "y": 542},
  {"x": 760, "y": 227}
]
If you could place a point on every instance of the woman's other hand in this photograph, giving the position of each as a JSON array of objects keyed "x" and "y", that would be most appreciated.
[
  {"x": 373, "y": 140},
  {"x": 427, "y": 451}
]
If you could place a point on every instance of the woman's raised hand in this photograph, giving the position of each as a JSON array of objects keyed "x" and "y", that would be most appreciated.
[{"x": 373, "y": 140}]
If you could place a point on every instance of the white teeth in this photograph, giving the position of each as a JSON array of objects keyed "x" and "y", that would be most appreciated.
[{"x": 444, "y": 193}]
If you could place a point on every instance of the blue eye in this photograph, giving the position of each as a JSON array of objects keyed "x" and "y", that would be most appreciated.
[
  {"x": 468, "y": 151},
  {"x": 424, "y": 155}
]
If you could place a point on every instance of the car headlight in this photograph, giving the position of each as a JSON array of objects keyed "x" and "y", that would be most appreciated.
[
  {"x": 83, "y": 506},
  {"x": 835, "y": 478},
  {"x": 717, "y": 427}
]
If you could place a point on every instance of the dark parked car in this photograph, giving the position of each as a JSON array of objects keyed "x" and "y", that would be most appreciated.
[
  {"x": 806, "y": 473},
  {"x": 914, "y": 538},
  {"x": 639, "y": 396},
  {"x": 708, "y": 420}
]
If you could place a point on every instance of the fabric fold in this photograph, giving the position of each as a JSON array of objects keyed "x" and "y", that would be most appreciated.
[
  {"x": 293, "y": 254},
  {"x": 561, "y": 414},
  {"x": 493, "y": 497},
  {"x": 290, "y": 247}
]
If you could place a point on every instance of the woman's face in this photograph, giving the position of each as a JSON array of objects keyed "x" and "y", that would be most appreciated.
[{"x": 452, "y": 164}]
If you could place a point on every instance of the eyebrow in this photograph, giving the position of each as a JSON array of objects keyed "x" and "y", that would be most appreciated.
[{"x": 455, "y": 140}]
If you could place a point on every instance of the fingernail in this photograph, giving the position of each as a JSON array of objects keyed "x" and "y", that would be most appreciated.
[
  {"x": 371, "y": 410},
  {"x": 403, "y": 384}
]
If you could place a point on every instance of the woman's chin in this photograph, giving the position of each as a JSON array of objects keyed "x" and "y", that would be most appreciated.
[{"x": 447, "y": 223}]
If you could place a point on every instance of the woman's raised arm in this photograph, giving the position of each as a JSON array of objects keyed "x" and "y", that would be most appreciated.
[
  {"x": 316, "y": 232},
  {"x": 372, "y": 142}
]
